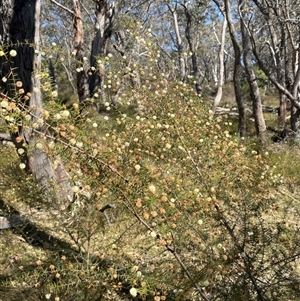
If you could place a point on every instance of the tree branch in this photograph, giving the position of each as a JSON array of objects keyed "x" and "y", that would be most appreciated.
[
  {"x": 107, "y": 206},
  {"x": 63, "y": 7}
]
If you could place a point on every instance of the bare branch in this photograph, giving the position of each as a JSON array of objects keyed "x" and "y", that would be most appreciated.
[{"x": 63, "y": 7}]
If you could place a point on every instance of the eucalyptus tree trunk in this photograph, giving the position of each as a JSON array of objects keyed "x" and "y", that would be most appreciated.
[
  {"x": 236, "y": 72},
  {"x": 82, "y": 79},
  {"x": 295, "y": 89},
  {"x": 105, "y": 14},
  {"x": 179, "y": 43},
  {"x": 280, "y": 59},
  {"x": 259, "y": 120},
  {"x": 19, "y": 23},
  {"x": 221, "y": 68},
  {"x": 278, "y": 24},
  {"x": 188, "y": 35}
]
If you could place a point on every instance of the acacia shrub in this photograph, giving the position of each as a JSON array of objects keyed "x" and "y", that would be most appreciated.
[
  {"x": 194, "y": 205},
  {"x": 199, "y": 193}
]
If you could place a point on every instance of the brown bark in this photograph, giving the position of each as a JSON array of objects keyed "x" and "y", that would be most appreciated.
[
  {"x": 15, "y": 29},
  {"x": 237, "y": 72},
  {"x": 22, "y": 30},
  {"x": 259, "y": 120},
  {"x": 103, "y": 31},
  {"x": 82, "y": 79},
  {"x": 189, "y": 38}
]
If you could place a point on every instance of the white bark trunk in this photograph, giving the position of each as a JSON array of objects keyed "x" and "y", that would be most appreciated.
[
  {"x": 218, "y": 97},
  {"x": 181, "y": 59}
]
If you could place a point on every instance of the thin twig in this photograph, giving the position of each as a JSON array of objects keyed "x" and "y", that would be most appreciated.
[{"x": 171, "y": 250}]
